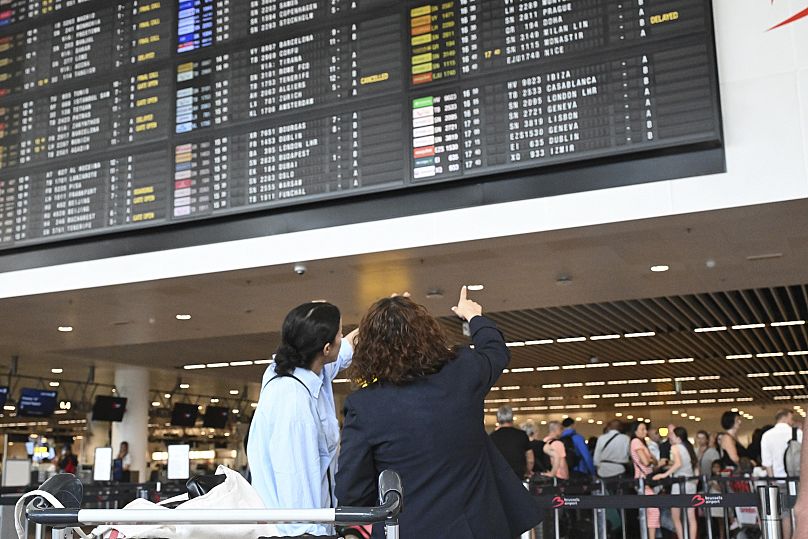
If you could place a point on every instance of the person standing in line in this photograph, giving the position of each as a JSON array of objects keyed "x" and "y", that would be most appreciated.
[
  {"x": 653, "y": 442},
  {"x": 611, "y": 458},
  {"x": 683, "y": 466},
  {"x": 555, "y": 449},
  {"x": 122, "y": 464},
  {"x": 294, "y": 432},
  {"x": 706, "y": 451},
  {"x": 420, "y": 411},
  {"x": 643, "y": 466},
  {"x": 801, "y": 507},
  {"x": 513, "y": 443},
  {"x": 731, "y": 450},
  {"x": 773, "y": 446},
  {"x": 585, "y": 466}
]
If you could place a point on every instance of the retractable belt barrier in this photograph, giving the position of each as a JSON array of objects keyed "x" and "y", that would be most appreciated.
[{"x": 635, "y": 501}]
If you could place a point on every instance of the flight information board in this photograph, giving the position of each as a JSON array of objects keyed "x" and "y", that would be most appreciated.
[{"x": 123, "y": 114}]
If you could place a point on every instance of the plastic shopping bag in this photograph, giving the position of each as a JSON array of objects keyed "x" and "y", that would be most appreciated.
[{"x": 234, "y": 493}]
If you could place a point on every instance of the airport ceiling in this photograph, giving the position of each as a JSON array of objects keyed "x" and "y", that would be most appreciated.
[{"x": 739, "y": 267}]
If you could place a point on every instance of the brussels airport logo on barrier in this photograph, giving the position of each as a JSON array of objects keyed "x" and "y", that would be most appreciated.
[
  {"x": 699, "y": 499},
  {"x": 794, "y": 18},
  {"x": 558, "y": 501}
]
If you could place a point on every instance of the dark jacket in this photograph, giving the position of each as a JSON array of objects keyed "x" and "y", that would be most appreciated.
[{"x": 456, "y": 484}]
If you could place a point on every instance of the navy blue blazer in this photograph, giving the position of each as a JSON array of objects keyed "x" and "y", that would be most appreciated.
[{"x": 456, "y": 484}]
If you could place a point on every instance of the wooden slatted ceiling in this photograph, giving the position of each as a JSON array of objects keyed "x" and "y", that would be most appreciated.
[{"x": 774, "y": 349}]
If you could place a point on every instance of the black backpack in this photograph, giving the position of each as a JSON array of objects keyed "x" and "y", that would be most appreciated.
[
  {"x": 573, "y": 457},
  {"x": 541, "y": 462}
]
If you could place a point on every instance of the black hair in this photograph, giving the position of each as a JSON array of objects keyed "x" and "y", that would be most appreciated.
[
  {"x": 632, "y": 430},
  {"x": 728, "y": 420},
  {"x": 681, "y": 433},
  {"x": 568, "y": 422},
  {"x": 306, "y": 330}
]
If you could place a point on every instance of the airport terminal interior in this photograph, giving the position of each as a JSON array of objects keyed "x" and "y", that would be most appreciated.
[{"x": 622, "y": 185}]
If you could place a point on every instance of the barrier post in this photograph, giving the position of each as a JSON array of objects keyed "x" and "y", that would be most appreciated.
[
  {"x": 556, "y": 511},
  {"x": 708, "y": 512},
  {"x": 769, "y": 502},
  {"x": 39, "y": 531},
  {"x": 643, "y": 515}
]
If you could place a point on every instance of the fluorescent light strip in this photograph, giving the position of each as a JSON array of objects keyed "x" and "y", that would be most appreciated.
[
  {"x": 559, "y": 398},
  {"x": 511, "y": 388},
  {"x": 758, "y": 374},
  {"x": 789, "y": 323},
  {"x": 193, "y": 367},
  {"x": 217, "y": 365},
  {"x": 596, "y": 365},
  {"x": 656, "y": 403},
  {"x": 610, "y": 395},
  {"x": 341, "y": 380},
  {"x": 652, "y": 362},
  {"x": 660, "y": 380},
  {"x": 589, "y": 384},
  {"x": 573, "y": 384},
  {"x": 572, "y": 367},
  {"x": 240, "y": 363},
  {"x": 740, "y": 356},
  {"x": 551, "y": 386},
  {"x": 685, "y": 379},
  {"x": 744, "y": 399},
  {"x": 782, "y": 397},
  {"x": 628, "y": 395},
  {"x": 710, "y": 329},
  {"x": 591, "y": 396},
  {"x": 709, "y": 377},
  {"x": 640, "y": 334},
  {"x": 706, "y": 401},
  {"x": 689, "y": 392},
  {"x": 571, "y": 339},
  {"x": 550, "y": 368},
  {"x": 681, "y": 360},
  {"x": 749, "y": 326},
  {"x": 624, "y": 363},
  {"x": 798, "y": 386},
  {"x": 730, "y": 390},
  {"x": 514, "y": 344},
  {"x": 523, "y": 369},
  {"x": 603, "y": 337},
  {"x": 542, "y": 341},
  {"x": 799, "y": 353},
  {"x": 784, "y": 373},
  {"x": 770, "y": 354},
  {"x": 262, "y": 362}
]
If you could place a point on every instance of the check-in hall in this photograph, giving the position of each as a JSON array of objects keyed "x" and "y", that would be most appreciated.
[{"x": 469, "y": 269}]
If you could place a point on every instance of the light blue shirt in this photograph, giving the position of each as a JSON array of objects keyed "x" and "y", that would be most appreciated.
[{"x": 293, "y": 441}]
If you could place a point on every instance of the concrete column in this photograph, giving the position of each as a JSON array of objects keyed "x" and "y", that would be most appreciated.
[{"x": 133, "y": 383}]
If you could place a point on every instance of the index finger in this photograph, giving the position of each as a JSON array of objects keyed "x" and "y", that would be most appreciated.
[{"x": 463, "y": 293}]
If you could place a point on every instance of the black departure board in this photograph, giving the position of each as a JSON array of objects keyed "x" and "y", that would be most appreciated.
[{"x": 117, "y": 115}]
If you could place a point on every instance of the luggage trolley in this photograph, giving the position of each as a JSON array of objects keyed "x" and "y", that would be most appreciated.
[{"x": 390, "y": 503}]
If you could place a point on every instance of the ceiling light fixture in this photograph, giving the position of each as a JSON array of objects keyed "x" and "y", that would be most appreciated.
[
  {"x": 770, "y": 354},
  {"x": 652, "y": 362},
  {"x": 167, "y": 395},
  {"x": 514, "y": 344},
  {"x": 185, "y": 386},
  {"x": 262, "y": 362},
  {"x": 57, "y": 371},
  {"x": 749, "y": 326},
  {"x": 571, "y": 339},
  {"x": 640, "y": 334},
  {"x": 788, "y": 323},
  {"x": 681, "y": 360},
  {"x": 624, "y": 363},
  {"x": 523, "y": 369},
  {"x": 660, "y": 268},
  {"x": 183, "y": 317},
  {"x": 193, "y": 367},
  {"x": 65, "y": 329},
  {"x": 214, "y": 400},
  {"x": 758, "y": 374},
  {"x": 240, "y": 363},
  {"x": 603, "y": 337},
  {"x": 155, "y": 404},
  {"x": 475, "y": 287},
  {"x": 710, "y": 329},
  {"x": 53, "y": 384},
  {"x": 540, "y": 341},
  {"x": 217, "y": 365},
  {"x": 799, "y": 353},
  {"x": 740, "y": 356}
]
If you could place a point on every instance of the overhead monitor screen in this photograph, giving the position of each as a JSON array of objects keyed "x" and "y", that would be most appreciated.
[
  {"x": 3, "y": 395},
  {"x": 184, "y": 414},
  {"x": 36, "y": 402},
  {"x": 108, "y": 408},
  {"x": 119, "y": 115},
  {"x": 215, "y": 417}
]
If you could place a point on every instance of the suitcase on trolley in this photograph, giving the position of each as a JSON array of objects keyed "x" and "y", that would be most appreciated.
[{"x": 56, "y": 505}]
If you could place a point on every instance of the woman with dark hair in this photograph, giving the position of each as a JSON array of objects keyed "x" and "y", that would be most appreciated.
[
  {"x": 294, "y": 432},
  {"x": 643, "y": 466},
  {"x": 683, "y": 466},
  {"x": 731, "y": 450},
  {"x": 420, "y": 413}
]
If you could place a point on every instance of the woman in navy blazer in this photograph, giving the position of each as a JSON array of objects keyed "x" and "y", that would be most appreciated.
[{"x": 421, "y": 414}]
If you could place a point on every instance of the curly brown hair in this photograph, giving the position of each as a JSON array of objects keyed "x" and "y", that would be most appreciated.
[{"x": 398, "y": 342}]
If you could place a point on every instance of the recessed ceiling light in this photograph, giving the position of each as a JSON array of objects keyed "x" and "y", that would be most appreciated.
[
  {"x": 57, "y": 371},
  {"x": 475, "y": 287},
  {"x": 603, "y": 337},
  {"x": 788, "y": 323},
  {"x": 167, "y": 395},
  {"x": 183, "y": 317},
  {"x": 53, "y": 384},
  {"x": 660, "y": 268},
  {"x": 185, "y": 386},
  {"x": 235, "y": 410},
  {"x": 65, "y": 329},
  {"x": 710, "y": 329},
  {"x": 214, "y": 400},
  {"x": 234, "y": 391},
  {"x": 155, "y": 404},
  {"x": 9, "y": 407},
  {"x": 749, "y": 326},
  {"x": 640, "y": 334}
]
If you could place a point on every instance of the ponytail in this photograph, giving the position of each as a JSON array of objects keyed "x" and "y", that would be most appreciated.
[{"x": 306, "y": 330}]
